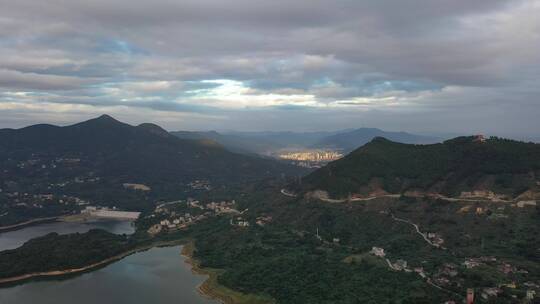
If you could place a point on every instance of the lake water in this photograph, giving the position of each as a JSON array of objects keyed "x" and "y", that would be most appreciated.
[
  {"x": 14, "y": 239},
  {"x": 156, "y": 276}
]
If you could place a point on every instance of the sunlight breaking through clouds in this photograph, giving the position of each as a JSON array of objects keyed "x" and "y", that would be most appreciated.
[{"x": 387, "y": 63}]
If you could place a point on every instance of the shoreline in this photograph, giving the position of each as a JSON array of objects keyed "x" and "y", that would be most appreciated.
[
  {"x": 211, "y": 289},
  {"x": 29, "y": 223},
  {"x": 68, "y": 218},
  {"x": 66, "y": 272}
]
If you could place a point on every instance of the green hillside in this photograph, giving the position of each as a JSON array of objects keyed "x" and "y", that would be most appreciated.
[
  {"x": 92, "y": 160},
  {"x": 147, "y": 152},
  {"x": 461, "y": 164}
]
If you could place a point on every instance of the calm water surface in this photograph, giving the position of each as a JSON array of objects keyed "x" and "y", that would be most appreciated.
[
  {"x": 14, "y": 239},
  {"x": 158, "y": 276}
]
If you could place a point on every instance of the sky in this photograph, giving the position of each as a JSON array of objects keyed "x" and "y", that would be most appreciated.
[{"x": 427, "y": 66}]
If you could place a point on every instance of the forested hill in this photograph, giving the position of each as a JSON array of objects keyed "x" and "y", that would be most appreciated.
[
  {"x": 112, "y": 148},
  {"x": 461, "y": 164}
]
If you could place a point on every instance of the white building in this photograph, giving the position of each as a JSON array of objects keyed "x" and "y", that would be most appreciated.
[{"x": 377, "y": 251}]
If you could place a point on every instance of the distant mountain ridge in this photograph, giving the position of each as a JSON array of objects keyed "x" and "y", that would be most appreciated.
[
  {"x": 348, "y": 141},
  {"x": 230, "y": 142},
  {"x": 265, "y": 142},
  {"x": 113, "y": 148},
  {"x": 261, "y": 143},
  {"x": 461, "y": 164}
]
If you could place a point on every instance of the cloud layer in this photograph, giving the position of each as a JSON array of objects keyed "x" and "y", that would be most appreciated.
[{"x": 421, "y": 65}]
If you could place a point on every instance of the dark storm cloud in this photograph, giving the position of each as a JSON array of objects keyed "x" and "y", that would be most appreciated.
[{"x": 306, "y": 58}]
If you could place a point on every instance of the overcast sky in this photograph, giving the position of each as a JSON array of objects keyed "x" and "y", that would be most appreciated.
[{"x": 455, "y": 66}]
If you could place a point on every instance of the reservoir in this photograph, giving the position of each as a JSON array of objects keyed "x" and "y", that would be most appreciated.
[
  {"x": 14, "y": 239},
  {"x": 158, "y": 275}
]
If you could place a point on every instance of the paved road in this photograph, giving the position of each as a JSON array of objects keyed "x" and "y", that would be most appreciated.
[
  {"x": 417, "y": 231},
  {"x": 284, "y": 192}
]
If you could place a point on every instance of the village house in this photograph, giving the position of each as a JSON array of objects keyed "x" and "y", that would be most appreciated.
[
  {"x": 441, "y": 281},
  {"x": 507, "y": 268},
  {"x": 479, "y": 138},
  {"x": 420, "y": 271},
  {"x": 243, "y": 224},
  {"x": 490, "y": 292},
  {"x": 471, "y": 263},
  {"x": 450, "y": 270},
  {"x": 522, "y": 204},
  {"x": 154, "y": 229},
  {"x": 400, "y": 264},
  {"x": 377, "y": 251}
]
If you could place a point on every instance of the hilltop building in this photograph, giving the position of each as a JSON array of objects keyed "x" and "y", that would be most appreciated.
[{"x": 479, "y": 138}]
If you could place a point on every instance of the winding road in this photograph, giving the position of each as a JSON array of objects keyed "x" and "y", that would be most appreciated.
[
  {"x": 418, "y": 231},
  {"x": 284, "y": 192}
]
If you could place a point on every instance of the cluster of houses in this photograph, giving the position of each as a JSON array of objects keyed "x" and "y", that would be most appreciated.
[
  {"x": 505, "y": 268},
  {"x": 182, "y": 221},
  {"x": 475, "y": 262},
  {"x": 175, "y": 222},
  {"x": 449, "y": 271},
  {"x": 445, "y": 274},
  {"x": 492, "y": 292},
  {"x": 44, "y": 164},
  {"x": 222, "y": 207},
  {"x": 29, "y": 200},
  {"x": 483, "y": 194},
  {"x": 435, "y": 239},
  {"x": 263, "y": 220},
  {"x": 239, "y": 222},
  {"x": 499, "y": 212},
  {"x": 77, "y": 180},
  {"x": 200, "y": 185},
  {"x": 398, "y": 265}
]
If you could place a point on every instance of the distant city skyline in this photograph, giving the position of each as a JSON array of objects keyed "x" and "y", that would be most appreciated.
[{"x": 419, "y": 66}]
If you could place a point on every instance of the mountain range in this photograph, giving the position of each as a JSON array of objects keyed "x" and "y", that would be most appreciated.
[
  {"x": 143, "y": 152},
  {"x": 268, "y": 142}
]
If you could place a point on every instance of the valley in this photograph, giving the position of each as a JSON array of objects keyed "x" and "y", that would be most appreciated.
[
  {"x": 269, "y": 152},
  {"x": 365, "y": 227}
]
